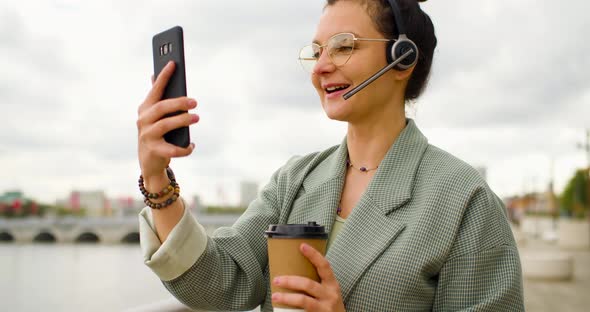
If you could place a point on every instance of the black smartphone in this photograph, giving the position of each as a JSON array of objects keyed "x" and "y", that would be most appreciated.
[{"x": 169, "y": 45}]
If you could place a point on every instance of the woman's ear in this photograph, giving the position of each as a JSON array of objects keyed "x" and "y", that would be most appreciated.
[{"x": 404, "y": 74}]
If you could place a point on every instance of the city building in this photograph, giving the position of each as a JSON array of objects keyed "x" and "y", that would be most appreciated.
[
  {"x": 9, "y": 198},
  {"x": 14, "y": 202},
  {"x": 126, "y": 206},
  {"x": 197, "y": 206},
  {"x": 94, "y": 203},
  {"x": 538, "y": 203},
  {"x": 248, "y": 192}
]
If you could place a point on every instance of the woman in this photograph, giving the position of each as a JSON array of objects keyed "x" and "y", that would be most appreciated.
[{"x": 412, "y": 228}]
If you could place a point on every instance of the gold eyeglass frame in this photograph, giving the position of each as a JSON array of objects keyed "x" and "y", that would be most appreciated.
[{"x": 321, "y": 48}]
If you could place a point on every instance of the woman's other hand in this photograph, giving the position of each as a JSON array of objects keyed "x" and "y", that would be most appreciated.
[
  {"x": 322, "y": 296},
  {"x": 154, "y": 152}
]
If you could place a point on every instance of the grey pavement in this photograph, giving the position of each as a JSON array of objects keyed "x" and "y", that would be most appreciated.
[{"x": 566, "y": 296}]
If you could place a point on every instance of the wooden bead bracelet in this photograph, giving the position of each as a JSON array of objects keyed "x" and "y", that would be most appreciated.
[{"x": 172, "y": 187}]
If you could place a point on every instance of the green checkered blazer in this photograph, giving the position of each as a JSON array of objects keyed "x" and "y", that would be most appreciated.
[{"x": 428, "y": 234}]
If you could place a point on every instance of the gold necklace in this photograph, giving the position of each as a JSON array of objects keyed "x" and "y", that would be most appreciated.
[{"x": 361, "y": 169}]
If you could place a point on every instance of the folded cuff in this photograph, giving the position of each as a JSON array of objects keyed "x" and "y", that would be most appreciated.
[{"x": 181, "y": 249}]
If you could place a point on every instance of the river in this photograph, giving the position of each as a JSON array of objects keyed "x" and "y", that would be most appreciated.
[{"x": 75, "y": 277}]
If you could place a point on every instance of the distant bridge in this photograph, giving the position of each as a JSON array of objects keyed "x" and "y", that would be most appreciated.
[{"x": 88, "y": 230}]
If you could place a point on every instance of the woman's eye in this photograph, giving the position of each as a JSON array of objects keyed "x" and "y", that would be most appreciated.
[{"x": 344, "y": 49}]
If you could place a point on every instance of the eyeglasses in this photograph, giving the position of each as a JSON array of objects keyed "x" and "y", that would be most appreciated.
[{"x": 340, "y": 47}]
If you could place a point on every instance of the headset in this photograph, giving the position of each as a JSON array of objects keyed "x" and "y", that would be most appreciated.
[{"x": 401, "y": 53}]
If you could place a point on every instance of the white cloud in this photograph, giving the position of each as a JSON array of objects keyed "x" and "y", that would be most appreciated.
[{"x": 508, "y": 91}]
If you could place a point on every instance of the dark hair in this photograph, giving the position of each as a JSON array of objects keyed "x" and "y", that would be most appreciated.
[{"x": 419, "y": 29}]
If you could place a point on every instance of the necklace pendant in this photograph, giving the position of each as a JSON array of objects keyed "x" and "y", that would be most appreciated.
[{"x": 363, "y": 169}]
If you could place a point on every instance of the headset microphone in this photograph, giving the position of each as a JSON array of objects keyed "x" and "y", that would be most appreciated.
[{"x": 385, "y": 69}]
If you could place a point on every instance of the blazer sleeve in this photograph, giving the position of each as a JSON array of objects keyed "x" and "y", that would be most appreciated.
[
  {"x": 184, "y": 245},
  {"x": 231, "y": 272},
  {"x": 483, "y": 271}
]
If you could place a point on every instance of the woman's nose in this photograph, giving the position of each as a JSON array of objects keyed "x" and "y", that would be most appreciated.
[{"x": 324, "y": 63}]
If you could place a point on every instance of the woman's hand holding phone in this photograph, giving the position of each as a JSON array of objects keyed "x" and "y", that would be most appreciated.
[{"x": 153, "y": 151}]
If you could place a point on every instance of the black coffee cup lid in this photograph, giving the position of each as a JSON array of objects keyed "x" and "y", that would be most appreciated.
[{"x": 309, "y": 230}]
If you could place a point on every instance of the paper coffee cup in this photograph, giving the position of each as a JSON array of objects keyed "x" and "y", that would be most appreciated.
[{"x": 285, "y": 257}]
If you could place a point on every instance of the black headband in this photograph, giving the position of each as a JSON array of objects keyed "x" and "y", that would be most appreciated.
[{"x": 397, "y": 15}]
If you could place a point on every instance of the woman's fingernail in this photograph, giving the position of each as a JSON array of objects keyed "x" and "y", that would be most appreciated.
[
  {"x": 277, "y": 280},
  {"x": 304, "y": 247},
  {"x": 192, "y": 103},
  {"x": 275, "y": 297},
  {"x": 194, "y": 118}
]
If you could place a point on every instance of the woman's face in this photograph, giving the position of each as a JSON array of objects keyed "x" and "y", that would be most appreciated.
[{"x": 368, "y": 57}]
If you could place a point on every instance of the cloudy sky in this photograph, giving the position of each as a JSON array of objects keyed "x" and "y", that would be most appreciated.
[{"x": 510, "y": 90}]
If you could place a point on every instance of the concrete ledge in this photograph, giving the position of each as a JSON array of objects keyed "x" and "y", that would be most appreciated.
[
  {"x": 548, "y": 266},
  {"x": 532, "y": 226},
  {"x": 574, "y": 234},
  {"x": 519, "y": 237}
]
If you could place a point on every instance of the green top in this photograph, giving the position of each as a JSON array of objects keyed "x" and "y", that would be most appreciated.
[{"x": 336, "y": 228}]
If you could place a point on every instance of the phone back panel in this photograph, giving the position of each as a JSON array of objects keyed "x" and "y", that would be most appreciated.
[{"x": 169, "y": 45}]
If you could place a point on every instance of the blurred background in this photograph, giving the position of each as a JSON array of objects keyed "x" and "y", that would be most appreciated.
[{"x": 509, "y": 94}]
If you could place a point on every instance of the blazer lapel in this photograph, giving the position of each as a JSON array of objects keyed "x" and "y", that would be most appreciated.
[
  {"x": 324, "y": 201},
  {"x": 321, "y": 191},
  {"x": 371, "y": 227},
  {"x": 363, "y": 238}
]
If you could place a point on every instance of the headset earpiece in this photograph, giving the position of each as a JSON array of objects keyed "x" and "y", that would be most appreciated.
[
  {"x": 402, "y": 44},
  {"x": 397, "y": 48}
]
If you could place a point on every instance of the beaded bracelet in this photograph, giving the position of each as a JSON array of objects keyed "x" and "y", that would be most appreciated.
[
  {"x": 172, "y": 187},
  {"x": 164, "y": 191},
  {"x": 165, "y": 204}
]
